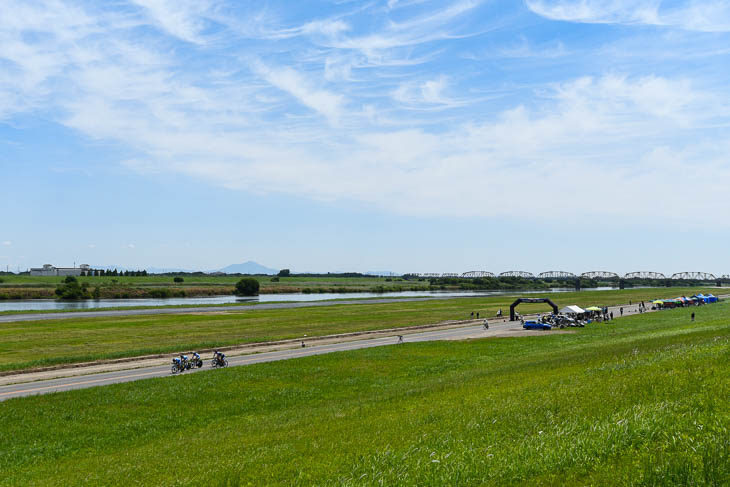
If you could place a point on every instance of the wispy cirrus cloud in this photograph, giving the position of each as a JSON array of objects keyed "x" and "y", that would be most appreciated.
[
  {"x": 322, "y": 101},
  {"x": 184, "y": 19},
  {"x": 709, "y": 16},
  {"x": 361, "y": 107},
  {"x": 428, "y": 94}
]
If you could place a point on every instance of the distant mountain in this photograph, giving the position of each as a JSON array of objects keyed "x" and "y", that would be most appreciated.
[{"x": 249, "y": 267}]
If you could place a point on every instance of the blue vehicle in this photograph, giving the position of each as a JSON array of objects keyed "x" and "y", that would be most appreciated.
[{"x": 536, "y": 325}]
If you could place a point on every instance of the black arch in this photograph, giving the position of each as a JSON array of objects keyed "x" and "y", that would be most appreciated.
[{"x": 530, "y": 300}]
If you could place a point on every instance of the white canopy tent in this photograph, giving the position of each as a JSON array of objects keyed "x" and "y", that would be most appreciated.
[{"x": 572, "y": 309}]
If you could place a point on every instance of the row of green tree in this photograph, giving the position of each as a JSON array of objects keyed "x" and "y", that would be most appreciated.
[{"x": 116, "y": 273}]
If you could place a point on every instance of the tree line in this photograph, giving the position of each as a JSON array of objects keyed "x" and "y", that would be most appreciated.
[{"x": 116, "y": 273}]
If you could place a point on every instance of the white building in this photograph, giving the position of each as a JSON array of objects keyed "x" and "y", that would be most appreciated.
[{"x": 50, "y": 270}]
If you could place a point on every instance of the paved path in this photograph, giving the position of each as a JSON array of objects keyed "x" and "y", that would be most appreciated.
[
  {"x": 207, "y": 309},
  {"x": 84, "y": 381}
]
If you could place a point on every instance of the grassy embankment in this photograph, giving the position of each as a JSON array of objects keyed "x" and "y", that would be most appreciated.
[
  {"x": 640, "y": 401},
  {"x": 33, "y": 287},
  {"x": 49, "y": 342}
]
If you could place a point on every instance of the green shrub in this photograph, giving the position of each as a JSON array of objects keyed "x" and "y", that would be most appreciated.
[
  {"x": 70, "y": 289},
  {"x": 248, "y": 286},
  {"x": 178, "y": 279}
]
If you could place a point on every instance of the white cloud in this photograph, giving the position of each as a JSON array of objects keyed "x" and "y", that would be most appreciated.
[
  {"x": 709, "y": 16},
  {"x": 597, "y": 137},
  {"x": 330, "y": 27},
  {"x": 590, "y": 148},
  {"x": 322, "y": 101},
  {"x": 7, "y": 243},
  {"x": 131, "y": 246},
  {"x": 184, "y": 19},
  {"x": 391, "y": 42},
  {"x": 426, "y": 94}
]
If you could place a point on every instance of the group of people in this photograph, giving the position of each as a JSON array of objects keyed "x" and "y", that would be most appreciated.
[{"x": 185, "y": 363}]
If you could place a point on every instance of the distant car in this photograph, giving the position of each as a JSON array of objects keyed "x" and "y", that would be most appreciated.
[{"x": 534, "y": 325}]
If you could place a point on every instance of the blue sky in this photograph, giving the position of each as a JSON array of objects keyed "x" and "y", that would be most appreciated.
[{"x": 403, "y": 135}]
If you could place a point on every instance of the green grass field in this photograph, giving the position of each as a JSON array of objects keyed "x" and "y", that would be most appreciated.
[
  {"x": 30, "y": 344},
  {"x": 640, "y": 401}
]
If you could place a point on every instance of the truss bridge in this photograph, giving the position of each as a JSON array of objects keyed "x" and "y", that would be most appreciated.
[
  {"x": 645, "y": 275},
  {"x": 475, "y": 274},
  {"x": 556, "y": 275},
  {"x": 600, "y": 275},
  {"x": 694, "y": 276},
  {"x": 523, "y": 274}
]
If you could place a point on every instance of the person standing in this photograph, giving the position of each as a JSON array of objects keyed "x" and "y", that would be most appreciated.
[
  {"x": 621, "y": 310},
  {"x": 693, "y": 315}
]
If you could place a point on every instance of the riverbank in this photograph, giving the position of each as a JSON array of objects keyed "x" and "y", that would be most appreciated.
[
  {"x": 20, "y": 287},
  {"x": 101, "y": 335}
]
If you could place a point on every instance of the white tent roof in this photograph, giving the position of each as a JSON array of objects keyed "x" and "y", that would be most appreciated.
[{"x": 572, "y": 309}]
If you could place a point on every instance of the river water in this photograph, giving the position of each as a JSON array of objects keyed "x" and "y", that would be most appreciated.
[{"x": 52, "y": 304}]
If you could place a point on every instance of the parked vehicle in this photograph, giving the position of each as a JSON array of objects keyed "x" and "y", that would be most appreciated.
[{"x": 536, "y": 325}]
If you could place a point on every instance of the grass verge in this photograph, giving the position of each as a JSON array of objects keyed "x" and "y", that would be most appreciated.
[{"x": 641, "y": 401}]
